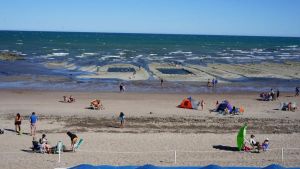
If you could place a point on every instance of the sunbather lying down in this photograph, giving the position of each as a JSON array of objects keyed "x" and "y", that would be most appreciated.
[
  {"x": 96, "y": 104},
  {"x": 69, "y": 99}
]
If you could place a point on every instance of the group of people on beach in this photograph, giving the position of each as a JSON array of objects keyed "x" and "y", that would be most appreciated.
[
  {"x": 212, "y": 83},
  {"x": 270, "y": 96},
  {"x": 33, "y": 119},
  {"x": 43, "y": 145},
  {"x": 253, "y": 145}
]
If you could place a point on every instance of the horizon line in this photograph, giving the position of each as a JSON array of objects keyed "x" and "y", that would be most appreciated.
[{"x": 149, "y": 33}]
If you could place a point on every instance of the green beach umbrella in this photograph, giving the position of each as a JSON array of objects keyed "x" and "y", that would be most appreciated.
[{"x": 241, "y": 136}]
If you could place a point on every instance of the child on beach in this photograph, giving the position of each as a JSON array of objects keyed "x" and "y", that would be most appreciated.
[
  {"x": 265, "y": 144},
  {"x": 18, "y": 121},
  {"x": 122, "y": 119},
  {"x": 202, "y": 104}
]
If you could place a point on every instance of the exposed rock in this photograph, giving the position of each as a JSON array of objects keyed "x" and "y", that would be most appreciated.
[{"x": 8, "y": 56}]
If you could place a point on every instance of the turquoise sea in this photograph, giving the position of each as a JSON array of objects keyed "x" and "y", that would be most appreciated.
[{"x": 87, "y": 49}]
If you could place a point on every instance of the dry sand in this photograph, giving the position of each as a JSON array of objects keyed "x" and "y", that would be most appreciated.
[{"x": 199, "y": 137}]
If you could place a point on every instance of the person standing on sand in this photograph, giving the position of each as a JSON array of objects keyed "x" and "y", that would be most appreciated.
[
  {"x": 33, "y": 120},
  {"x": 73, "y": 138},
  {"x": 122, "y": 87},
  {"x": 213, "y": 82},
  {"x": 277, "y": 93},
  {"x": 161, "y": 82},
  {"x": 202, "y": 104},
  {"x": 122, "y": 119},
  {"x": 18, "y": 120},
  {"x": 297, "y": 91}
]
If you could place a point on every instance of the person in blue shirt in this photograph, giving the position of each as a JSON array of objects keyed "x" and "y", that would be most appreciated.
[{"x": 33, "y": 120}]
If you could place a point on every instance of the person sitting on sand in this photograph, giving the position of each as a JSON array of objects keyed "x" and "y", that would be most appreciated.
[
  {"x": 122, "y": 119},
  {"x": 265, "y": 144},
  {"x": 43, "y": 139},
  {"x": 71, "y": 99},
  {"x": 73, "y": 138},
  {"x": 246, "y": 147},
  {"x": 209, "y": 83},
  {"x": 45, "y": 144},
  {"x": 36, "y": 146},
  {"x": 96, "y": 104},
  {"x": 255, "y": 144}
]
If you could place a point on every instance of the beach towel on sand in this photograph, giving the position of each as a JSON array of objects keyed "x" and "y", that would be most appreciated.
[{"x": 78, "y": 143}]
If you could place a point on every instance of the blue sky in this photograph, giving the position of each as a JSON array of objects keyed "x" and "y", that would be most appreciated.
[{"x": 218, "y": 17}]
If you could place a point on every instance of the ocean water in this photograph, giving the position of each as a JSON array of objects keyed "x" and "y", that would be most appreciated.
[{"x": 96, "y": 49}]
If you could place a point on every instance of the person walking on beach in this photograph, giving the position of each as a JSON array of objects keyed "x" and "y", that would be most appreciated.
[
  {"x": 122, "y": 119},
  {"x": 202, "y": 104},
  {"x": 33, "y": 120},
  {"x": 18, "y": 120},
  {"x": 161, "y": 82},
  {"x": 277, "y": 93},
  {"x": 122, "y": 87},
  {"x": 297, "y": 91}
]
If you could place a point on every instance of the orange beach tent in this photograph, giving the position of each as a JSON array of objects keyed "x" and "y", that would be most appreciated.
[{"x": 189, "y": 103}]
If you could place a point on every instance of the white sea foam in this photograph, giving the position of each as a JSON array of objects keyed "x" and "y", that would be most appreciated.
[
  {"x": 292, "y": 46},
  {"x": 89, "y": 54},
  {"x": 263, "y": 57},
  {"x": 179, "y": 52},
  {"x": 60, "y": 54},
  {"x": 289, "y": 57},
  {"x": 86, "y": 54},
  {"x": 152, "y": 54},
  {"x": 104, "y": 57},
  {"x": 19, "y": 43},
  {"x": 264, "y": 52},
  {"x": 57, "y": 54},
  {"x": 225, "y": 57},
  {"x": 194, "y": 58},
  {"x": 168, "y": 57},
  {"x": 56, "y": 49}
]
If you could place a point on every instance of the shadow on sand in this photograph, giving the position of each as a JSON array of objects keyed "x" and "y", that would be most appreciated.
[
  {"x": 225, "y": 148},
  {"x": 11, "y": 130}
]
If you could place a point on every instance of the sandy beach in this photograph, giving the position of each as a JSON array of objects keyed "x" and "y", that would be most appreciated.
[{"x": 155, "y": 128}]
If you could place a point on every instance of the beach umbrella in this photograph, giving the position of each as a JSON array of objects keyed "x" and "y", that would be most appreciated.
[{"x": 240, "y": 137}]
